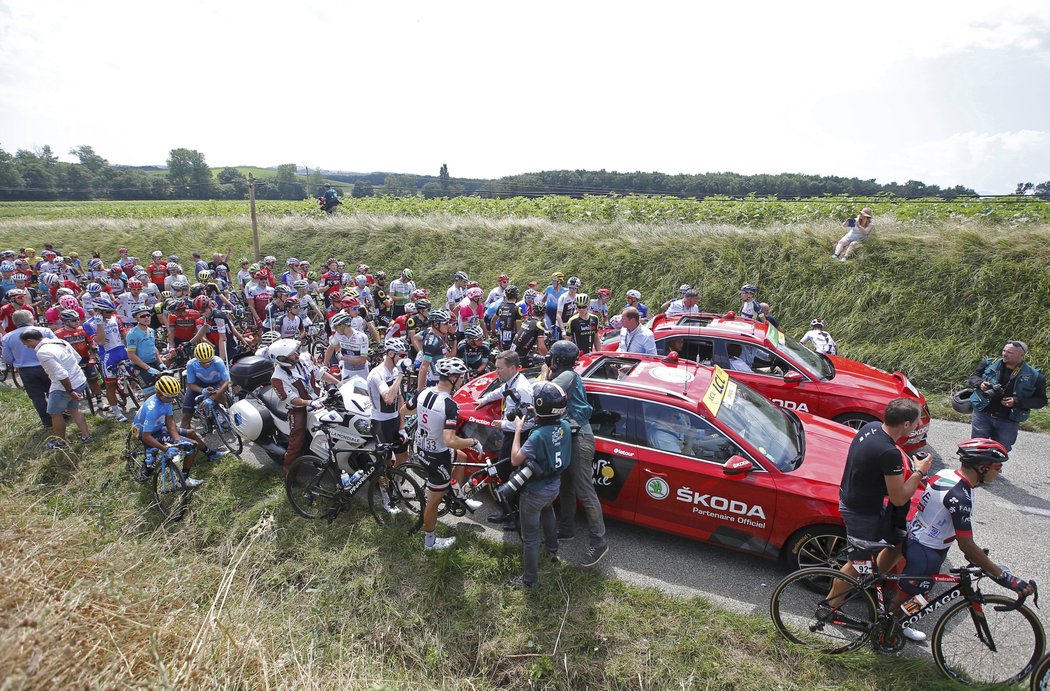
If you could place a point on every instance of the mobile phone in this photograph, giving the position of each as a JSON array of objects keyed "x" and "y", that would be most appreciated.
[{"x": 851, "y": 222}]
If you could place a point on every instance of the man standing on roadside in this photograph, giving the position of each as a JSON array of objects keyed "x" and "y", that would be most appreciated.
[
  {"x": 1005, "y": 391},
  {"x": 23, "y": 358},
  {"x": 634, "y": 336},
  {"x": 68, "y": 384}
]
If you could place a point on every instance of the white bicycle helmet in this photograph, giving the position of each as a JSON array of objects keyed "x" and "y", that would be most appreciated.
[
  {"x": 448, "y": 366},
  {"x": 396, "y": 345},
  {"x": 410, "y": 308},
  {"x": 281, "y": 350},
  {"x": 269, "y": 338},
  {"x": 473, "y": 332},
  {"x": 634, "y": 294}
]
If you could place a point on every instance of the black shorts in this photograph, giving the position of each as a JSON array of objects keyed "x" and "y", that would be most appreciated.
[
  {"x": 439, "y": 469},
  {"x": 886, "y": 525},
  {"x": 388, "y": 432}
]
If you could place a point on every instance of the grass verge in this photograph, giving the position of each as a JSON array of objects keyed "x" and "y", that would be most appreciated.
[{"x": 98, "y": 592}]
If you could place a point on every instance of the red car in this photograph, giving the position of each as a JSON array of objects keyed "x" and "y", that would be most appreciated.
[
  {"x": 786, "y": 372},
  {"x": 682, "y": 448}
]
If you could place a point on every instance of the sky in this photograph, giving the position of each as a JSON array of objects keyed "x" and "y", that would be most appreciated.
[{"x": 943, "y": 92}]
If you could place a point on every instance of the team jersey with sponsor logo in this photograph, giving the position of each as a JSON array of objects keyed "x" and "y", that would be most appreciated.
[
  {"x": 435, "y": 413},
  {"x": 945, "y": 511}
]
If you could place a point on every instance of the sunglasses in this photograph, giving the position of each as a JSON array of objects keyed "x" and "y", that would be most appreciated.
[{"x": 142, "y": 316}]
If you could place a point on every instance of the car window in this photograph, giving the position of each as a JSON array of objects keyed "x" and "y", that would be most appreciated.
[
  {"x": 674, "y": 430},
  {"x": 763, "y": 361},
  {"x": 610, "y": 368},
  {"x": 610, "y": 415},
  {"x": 688, "y": 348},
  {"x": 818, "y": 365}
]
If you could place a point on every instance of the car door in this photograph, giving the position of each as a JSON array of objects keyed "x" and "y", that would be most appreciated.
[
  {"x": 685, "y": 489},
  {"x": 615, "y": 455},
  {"x": 767, "y": 376}
]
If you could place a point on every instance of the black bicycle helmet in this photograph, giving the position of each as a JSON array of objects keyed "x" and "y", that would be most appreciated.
[
  {"x": 563, "y": 355},
  {"x": 549, "y": 401}
]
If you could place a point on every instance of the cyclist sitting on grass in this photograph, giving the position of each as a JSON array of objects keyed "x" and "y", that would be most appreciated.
[
  {"x": 155, "y": 427},
  {"x": 204, "y": 371},
  {"x": 945, "y": 515}
]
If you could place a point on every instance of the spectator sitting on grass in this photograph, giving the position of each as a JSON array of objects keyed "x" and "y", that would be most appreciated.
[{"x": 859, "y": 229}]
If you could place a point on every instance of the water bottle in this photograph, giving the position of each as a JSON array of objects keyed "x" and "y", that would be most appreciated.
[
  {"x": 344, "y": 479},
  {"x": 355, "y": 478},
  {"x": 915, "y": 604}
]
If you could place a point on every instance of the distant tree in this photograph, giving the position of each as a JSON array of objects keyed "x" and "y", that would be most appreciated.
[
  {"x": 400, "y": 185},
  {"x": 288, "y": 182},
  {"x": 189, "y": 174},
  {"x": 432, "y": 190},
  {"x": 233, "y": 182},
  {"x": 98, "y": 166},
  {"x": 362, "y": 188},
  {"x": 11, "y": 181},
  {"x": 315, "y": 181},
  {"x": 38, "y": 173},
  {"x": 443, "y": 178},
  {"x": 79, "y": 182},
  {"x": 1043, "y": 189},
  {"x": 1024, "y": 188}
]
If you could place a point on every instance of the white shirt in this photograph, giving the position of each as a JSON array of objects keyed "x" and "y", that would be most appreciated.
[
  {"x": 400, "y": 290},
  {"x": 354, "y": 344},
  {"x": 454, "y": 295},
  {"x": 60, "y": 361},
  {"x": 126, "y": 305},
  {"x": 678, "y": 307},
  {"x": 821, "y": 340},
  {"x": 519, "y": 387},
  {"x": 380, "y": 380},
  {"x": 303, "y": 372},
  {"x": 638, "y": 341},
  {"x": 495, "y": 295}
]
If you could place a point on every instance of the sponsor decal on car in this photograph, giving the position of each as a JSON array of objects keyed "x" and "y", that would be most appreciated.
[
  {"x": 604, "y": 472},
  {"x": 671, "y": 375},
  {"x": 790, "y": 405},
  {"x": 657, "y": 488},
  {"x": 722, "y": 508},
  {"x": 716, "y": 391}
]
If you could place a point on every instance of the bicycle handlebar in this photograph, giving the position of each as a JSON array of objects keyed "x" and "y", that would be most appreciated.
[{"x": 1020, "y": 599}]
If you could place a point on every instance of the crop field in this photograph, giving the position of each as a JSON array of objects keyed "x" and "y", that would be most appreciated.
[{"x": 752, "y": 211}]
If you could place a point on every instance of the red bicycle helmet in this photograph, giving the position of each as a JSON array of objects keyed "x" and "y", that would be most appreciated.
[{"x": 979, "y": 451}]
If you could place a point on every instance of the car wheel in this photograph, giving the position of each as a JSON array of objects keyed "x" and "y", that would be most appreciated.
[
  {"x": 818, "y": 545},
  {"x": 855, "y": 420}
]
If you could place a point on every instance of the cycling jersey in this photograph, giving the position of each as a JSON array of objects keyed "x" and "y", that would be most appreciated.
[
  {"x": 331, "y": 282},
  {"x": 401, "y": 290},
  {"x": 468, "y": 315},
  {"x": 77, "y": 338},
  {"x": 601, "y": 311},
  {"x": 183, "y": 325},
  {"x": 157, "y": 273},
  {"x": 582, "y": 331},
  {"x": 751, "y": 309},
  {"x": 380, "y": 380},
  {"x": 127, "y": 303},
  {"x": 566, "y": 306},
  {"x": 116, "y": 285},
  {"x": 244, "y": 277},
  {"x": 454, "y": 295},
  {"x": 643, "y": 311},
  {"x": 475, "y": 357},
  {"x": 434, "y": 348},
  {"x": 552, "y": 296},
  {"x": 495, "y": 295},
  {"x": 202, "y": 376},
  {"x": 151, "y": 417},
  {"x": 142, "y": 342},
  {"x": 354, "y": 344},
  {"x": 416, "y": 322},
  {"x": 259, "y": 295},
  {"x": 527, "y": 336},
  {"x": 397, "y": 327},
  {"x": 218, "y": 326},
  {"x": 113, "y": 332},
  {"x": 289, "y": 277},
  {"x": 945, "y": 511},
  {"x": 821, "y": 340},
  {"x": 273, "y": 313},
  {"x": 54, "y": 315},
  {"x": 435, "y": 413},
  {"x": 507, "y": 323},
  {"x": 289, "y": 326}
]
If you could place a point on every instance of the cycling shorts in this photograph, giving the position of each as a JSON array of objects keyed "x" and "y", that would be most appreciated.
[
  {"x": 388, "y": 432},
  {"x": 920, "y": 561},
  {"x": 109, "y": 359},
  {"x": 439, "y": 469}
]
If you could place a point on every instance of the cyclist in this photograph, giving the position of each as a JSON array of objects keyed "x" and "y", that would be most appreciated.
[
  {"x": 582, "y": 327},
  {"x": 204, "y": 370},
  {"x": 174, "y": 274},
  {"x": 945, "y": 515},
  {"x": 109, "y": 338},
  {"x": 268, "y": 263},
  {"x": 474, "y": 351},
  {"x": 17, "y": 299},
  {"x": 504, "y": 323},
  {"x": 417, "y": 323},
  {"x": 293, "y": 273},
  {"x": 551, "y": 295},
  {"x": 384, "y": 388},
  {"x": 400, "y": 290},
  {"x": 471, "y": 312},
  {"x": 267, "y": 339},
  {"x": 306, "y": 301},
  {"x": 751, "y": 308},
  {"x": 216, "y": 326},
  {"x": 158, "y": 269},
  {"x": 687, "y": 304},
  {"x": 291, "y": 324},
  {"x": 244, "y": 276},
  {"x": 634, "y": 299},
  {"x": 436, "y": 441},
  {"x": 532, "y": 332},
  {"x": 277, "y": 307},
  {"x": 566, "y": 306},
  {"x": 258, "y": 293},
  {"x": 155, "y": 427},
  {"x": 434, "y": 347},
  {"x": 600, "y": 307},
  {"x": 64, "y": 302},
  {"x": 821, "y": 339},
  {"x": 72, "y": 332},
  {"x": 397, "y": 328},
  {"x": 116, "y": 280},
  {"x": 381, "y": 299},
  {"x": 457, "y": 291},
  {"x": 129, "y": 301},
  {"x": 182, "y": 322},
  {"x": 495, "y": 295},
  {"x": 332, "y": 282},
  {"x": 351, "y": 346},
  {"x": 141, "y": 343},
  {"x": 549, "y": 447}
]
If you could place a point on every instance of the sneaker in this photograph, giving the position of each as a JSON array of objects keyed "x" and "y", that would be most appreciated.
[
  {"x": 56, "y": 444},
  {"x": 472, "y": 504},
  {"x": 834, "y": 256},
  {"x": 913, "y": 634},
  {"x": 512, "y": 526},
  {"x": 565, "y": 537},
  {"x": 86, "y": 440},
  {"x": 842, "y": 259},
  {"x": 555, "y": 559},
  {"x": 440, "y": 543},
  {"x": 498, "y": 517},
  {"x": 391, "y": 509},
  {"x": 216, "y": 454},
  {"x": 102, "y": 404},
  {"x": 116, "y": 414},
  {"x": 192, "y": 482},
  {"x": 519, "y": 582},
  {"x": 594, "y": 555}
]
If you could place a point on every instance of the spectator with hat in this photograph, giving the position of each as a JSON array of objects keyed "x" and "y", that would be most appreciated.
[{"x": 858, "y": 230}]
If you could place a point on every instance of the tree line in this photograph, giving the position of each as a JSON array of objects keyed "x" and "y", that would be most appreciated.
[{"x": 39, "y": 175}]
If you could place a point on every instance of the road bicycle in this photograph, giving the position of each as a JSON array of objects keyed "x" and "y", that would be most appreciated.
[
  {"x": 979, "y": 638},
  {"x": 213, "y": 418},
  {"x": 321, "y": 488},
  {"x": 8, "y": 373},
  {"x": 170, "y": 494},
  {"x": 484, "y": 477}
]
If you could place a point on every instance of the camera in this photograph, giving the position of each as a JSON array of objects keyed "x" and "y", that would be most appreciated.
[
  {"x": 517, "y": 480},
  {"x": 525, "y": 411},
  {"x": 995, "y": 392}
]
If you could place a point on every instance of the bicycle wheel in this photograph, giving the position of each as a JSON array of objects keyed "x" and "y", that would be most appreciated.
[
  {"x": 169, "y": 490},
  {"x": 201, "y": 422},
  {"x": 419, "y": 475},
  {"x": 226, "y": 433},
  {"x": 396, "y": 499},
  {"x": 317, "y": 348},
  {"x": 135, "y": 458},
  {"x": 962, "y": 646},
  {"x": 313, "y": 487},
  {"x": 806, "y": 618},
  {"x": 1040, "y": 680}
]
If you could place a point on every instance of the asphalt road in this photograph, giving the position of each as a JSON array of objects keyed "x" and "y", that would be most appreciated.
[{"x": 1011, "y": 517}]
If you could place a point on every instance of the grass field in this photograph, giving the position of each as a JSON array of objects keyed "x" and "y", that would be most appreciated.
[{"x": 99, "y": 593}]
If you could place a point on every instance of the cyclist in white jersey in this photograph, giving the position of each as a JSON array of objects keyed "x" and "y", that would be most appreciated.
[
  {"x": 384, "y": 389},
  {"x": 351, "y": 346},
  {"x": 821, "y": 339},
  {"x": 112, "y": 351}
]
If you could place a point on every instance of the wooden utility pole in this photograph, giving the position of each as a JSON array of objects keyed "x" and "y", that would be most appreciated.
[{"x": 255, "y": 221}]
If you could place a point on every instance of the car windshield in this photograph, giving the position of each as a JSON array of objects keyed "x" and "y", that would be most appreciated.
[
  {"x": 774, "y": 432},
  {"x": 816, "y": 363}
]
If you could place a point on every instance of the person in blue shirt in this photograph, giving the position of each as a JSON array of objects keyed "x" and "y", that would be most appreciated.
[
  {"x": 154, "y": 426},
  {"x": 551, "y": 295},
  {"x": 142, "y": 349},
  {"x": 204, "y": 371}
]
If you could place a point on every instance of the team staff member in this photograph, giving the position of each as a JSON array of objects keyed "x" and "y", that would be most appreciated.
[
  {"x": 550, "y": 449},
  {"x": 68, "y": 384},
  {"x": 874, "y": 471},
  {"x": 1005, "y": 391},
  {"x": 635, "y": 337},
  {"x": 295, "y": 384}
]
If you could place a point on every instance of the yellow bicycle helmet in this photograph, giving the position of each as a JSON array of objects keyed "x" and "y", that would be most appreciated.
[
  {"x": 558, "y": 276},
  {"x": 168, "y": 386},
  {"x": 204, "y": 351}
]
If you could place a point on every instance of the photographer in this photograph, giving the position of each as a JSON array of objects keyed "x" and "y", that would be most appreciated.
[
  {"x": 516, "y": 392},
  {"x": 548, "y": 452},
  {"x": 1005, "y": 390}
]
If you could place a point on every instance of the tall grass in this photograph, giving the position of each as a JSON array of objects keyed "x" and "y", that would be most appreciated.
[
  {"x": 97, "y": 592},
  {"x": 928, "y": 299}
]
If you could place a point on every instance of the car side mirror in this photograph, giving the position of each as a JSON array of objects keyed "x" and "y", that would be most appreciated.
[
  {"x": 793, "y": 377},
  {"x": 737, "y": 465}
]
